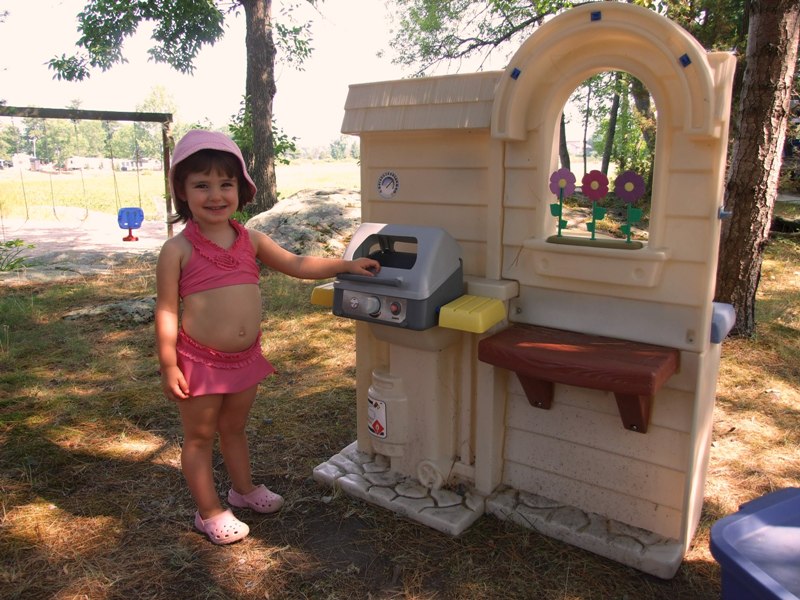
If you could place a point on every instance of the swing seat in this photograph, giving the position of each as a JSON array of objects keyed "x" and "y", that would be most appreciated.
[{"x": 130, "y": 218}]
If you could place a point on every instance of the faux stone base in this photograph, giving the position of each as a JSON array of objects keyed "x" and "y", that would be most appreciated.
[
  {"x": 632, "y": 546},
  {"x": 370, "y": 479}
]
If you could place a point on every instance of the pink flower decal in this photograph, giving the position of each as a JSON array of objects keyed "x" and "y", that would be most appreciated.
[
  {"x": 595, "y": 185},
  {"x": 562, "y": 183},
  {"x": 629, "y": 186}
]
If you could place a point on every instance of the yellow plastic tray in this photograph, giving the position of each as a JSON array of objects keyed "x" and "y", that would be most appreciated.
[
  {"x": 475, "y": 314},
  {"x": 322, "y": 295}
]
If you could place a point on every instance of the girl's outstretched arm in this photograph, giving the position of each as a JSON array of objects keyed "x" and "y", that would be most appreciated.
[{"x": 307, "y": 267}]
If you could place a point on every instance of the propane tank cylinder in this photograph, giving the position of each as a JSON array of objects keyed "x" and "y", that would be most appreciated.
[{"x": 387, "y": 413}]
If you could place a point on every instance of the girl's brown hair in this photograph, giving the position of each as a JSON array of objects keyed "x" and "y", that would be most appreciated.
[{"x": 205, "y": 161}]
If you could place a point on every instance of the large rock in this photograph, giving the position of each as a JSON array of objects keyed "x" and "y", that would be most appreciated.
[
  {"x": 132, "y": 312},
  {"x": 312, "y": 222}
]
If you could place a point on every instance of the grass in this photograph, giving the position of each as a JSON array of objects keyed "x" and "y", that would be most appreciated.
[
  {"x": 34, "y": 195},
  {"x": 93, "y": 504}
]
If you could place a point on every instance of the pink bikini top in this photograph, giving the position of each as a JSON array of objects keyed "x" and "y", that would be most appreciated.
[{"x": 212, "y": 267}]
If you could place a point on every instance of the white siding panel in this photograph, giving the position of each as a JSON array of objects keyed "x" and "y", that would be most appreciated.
[
  {"x": 595, "y": 468},
  {"x": 470, "y": 225},
  {"x": 434, "y": 186},
  {"x": 680, "y": 283},
  {"x": 474, "y": 256},
  {"x": 634, "y": 320},
  {"x": 580, "y": 425},
  {"x": 651, "y": 323},
  {"x": 466, "y": 150},
  {"x": 519, "y": 189},
  {"x": 520, "y": 155},
  {"x": 672, "y": 408},
  {"x": 597, "y": 401},
  {"x": 517, "y": 224}
]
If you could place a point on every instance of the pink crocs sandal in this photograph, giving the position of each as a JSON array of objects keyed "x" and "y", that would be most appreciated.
[
  {"x": 260, "y": 500},
  {"x": 222, "y": 529}
]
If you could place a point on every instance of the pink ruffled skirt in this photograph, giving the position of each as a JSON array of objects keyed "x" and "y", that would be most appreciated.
[{"x": 210, "y": 371}]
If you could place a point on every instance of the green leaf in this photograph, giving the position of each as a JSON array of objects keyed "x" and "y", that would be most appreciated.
[
  {"x": 634, "y": 214},
  {"x": 180, "y": 29}
]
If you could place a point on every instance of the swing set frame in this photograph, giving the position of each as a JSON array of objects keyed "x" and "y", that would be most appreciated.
[{"x": 108, "y": 115}]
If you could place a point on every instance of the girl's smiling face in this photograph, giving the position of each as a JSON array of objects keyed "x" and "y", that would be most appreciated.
[
  {"x": 212, "y": 196},
  {"x": 202, "y": 164}
]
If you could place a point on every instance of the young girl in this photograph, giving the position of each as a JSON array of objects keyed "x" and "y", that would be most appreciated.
[{"x": 210, "y": 351}]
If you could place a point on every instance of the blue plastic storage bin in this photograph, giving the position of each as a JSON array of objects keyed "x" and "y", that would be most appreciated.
[{"x": 758, "y": 548}]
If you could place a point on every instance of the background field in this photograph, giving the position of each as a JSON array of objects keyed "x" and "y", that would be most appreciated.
[{"x": 34, "y": 195}]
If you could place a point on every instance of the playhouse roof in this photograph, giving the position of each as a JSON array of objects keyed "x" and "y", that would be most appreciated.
[{"x": 430, "y": 103}]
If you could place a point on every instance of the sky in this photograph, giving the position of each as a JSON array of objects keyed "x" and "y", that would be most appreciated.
[{"x": 309, "y": 104}]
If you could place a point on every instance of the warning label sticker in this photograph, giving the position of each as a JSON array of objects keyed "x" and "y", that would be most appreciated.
[{"x": 376, "y": 418}]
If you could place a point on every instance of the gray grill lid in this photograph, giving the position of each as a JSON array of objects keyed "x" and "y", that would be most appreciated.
[{"x": 415, "y": 260}]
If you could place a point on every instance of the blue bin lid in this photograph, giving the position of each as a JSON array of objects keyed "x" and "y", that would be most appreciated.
[
  {"x": 761, "y": 544},
  {"x": 723, "y": 318}
]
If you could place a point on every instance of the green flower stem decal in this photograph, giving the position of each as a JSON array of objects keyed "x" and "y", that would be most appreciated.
[
  {"x": 629, "y": 187},
  {"x": 562, "y": 183},
  {"x": 595, "y": 187},
  {"x": 598, "y": 214}
]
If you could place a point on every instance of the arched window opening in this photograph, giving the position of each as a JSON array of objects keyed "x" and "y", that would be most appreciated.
[{"x": 602, "y": 190}]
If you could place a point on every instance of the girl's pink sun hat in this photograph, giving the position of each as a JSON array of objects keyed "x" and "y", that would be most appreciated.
[{"x": 200, "y": 139}]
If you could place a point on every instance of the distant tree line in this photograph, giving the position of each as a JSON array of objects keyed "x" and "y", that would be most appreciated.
[{"x": 55, "y": 141}]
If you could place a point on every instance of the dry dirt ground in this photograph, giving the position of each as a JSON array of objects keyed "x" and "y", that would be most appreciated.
[{"x": 76, "y": 233}]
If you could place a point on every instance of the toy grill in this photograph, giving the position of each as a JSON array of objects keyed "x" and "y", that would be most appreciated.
[{"x": 420, "y": 271}]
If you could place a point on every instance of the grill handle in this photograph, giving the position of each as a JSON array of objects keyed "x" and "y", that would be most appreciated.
[{"x": 390, "y": 281}]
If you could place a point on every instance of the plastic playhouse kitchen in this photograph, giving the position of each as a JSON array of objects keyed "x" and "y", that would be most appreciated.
[{"x": 506, "y": 365}]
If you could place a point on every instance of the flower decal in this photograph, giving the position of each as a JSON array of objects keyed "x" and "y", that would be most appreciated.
[
  {"x": 595, "y": 185},
  {"x": 225, "y": 261},
  {"x": 562, "y": 183},
  {"x": 629, "y": 186}
]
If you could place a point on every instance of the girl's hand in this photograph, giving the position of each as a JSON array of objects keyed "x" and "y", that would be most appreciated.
[
  {"x": 364, "y": 266},
  {"x": 174, "y": 385}
]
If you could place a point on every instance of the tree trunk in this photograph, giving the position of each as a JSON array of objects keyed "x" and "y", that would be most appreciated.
[
  {"x": 563, "y": 150},
  {"x": 260, "y": 90},
  {"x": 752, "y": 183},
  {"x": 612, "y": 126},
  {"x": 641, "y": 99},
  {"x": 586, "y": 127}
]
